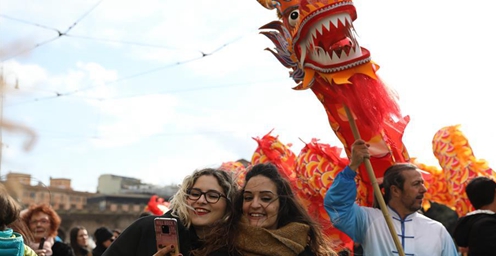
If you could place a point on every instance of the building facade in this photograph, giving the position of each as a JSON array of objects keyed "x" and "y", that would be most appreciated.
[
  {"x": 125, "y": 200},
  {"x": 58, "y": 193}
]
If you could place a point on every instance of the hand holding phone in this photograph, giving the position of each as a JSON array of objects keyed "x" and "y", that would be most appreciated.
[
  {"x": 165, "y": 251},
  {"x": 42, "y": 243},
  {"x": 166, "y": 234}
]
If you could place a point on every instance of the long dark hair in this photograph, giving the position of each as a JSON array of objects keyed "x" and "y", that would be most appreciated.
[
  {"x": 290, "y": 210},
  {"x": 73, "y": 235}
]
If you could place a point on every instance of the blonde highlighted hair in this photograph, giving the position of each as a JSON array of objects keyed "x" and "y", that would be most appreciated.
[{"x": 179, "y": 204}]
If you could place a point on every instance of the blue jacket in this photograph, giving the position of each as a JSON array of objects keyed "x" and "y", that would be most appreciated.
[
  {"x": 418, "y": 234},
  {"x": 11, "y": 243}
]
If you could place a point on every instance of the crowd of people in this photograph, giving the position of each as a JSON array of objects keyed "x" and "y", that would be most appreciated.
[
  {"x": 34, "y": 232},
  {"x": 264, "y": 217}
]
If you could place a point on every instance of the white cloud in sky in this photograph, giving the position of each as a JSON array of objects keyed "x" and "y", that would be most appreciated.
[
  {"x": 127, "y": 120},
  {"x": 31, "y": 75}
]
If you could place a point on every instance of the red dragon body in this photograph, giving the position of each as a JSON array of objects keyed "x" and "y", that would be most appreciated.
[{"x": 317, "y": 41}]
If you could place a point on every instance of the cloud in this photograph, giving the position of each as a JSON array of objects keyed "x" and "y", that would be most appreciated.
[
  {"x": 124, "y": 121},
  {"x": 30, "y": 75}
]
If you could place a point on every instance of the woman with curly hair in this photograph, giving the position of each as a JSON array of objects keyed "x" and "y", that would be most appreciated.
[
  {"x": 202, "y": 207},
  {"x": 44, "y": 222}
]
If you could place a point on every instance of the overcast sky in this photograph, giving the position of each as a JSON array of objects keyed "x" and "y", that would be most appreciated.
[{"x": 136, "y": 98}]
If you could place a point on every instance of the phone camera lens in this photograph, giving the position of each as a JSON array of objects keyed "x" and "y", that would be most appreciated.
[{"x": 165, "y": 229}]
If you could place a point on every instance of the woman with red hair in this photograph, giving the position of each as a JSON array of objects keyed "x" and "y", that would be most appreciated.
[{"x": 44, "y": 222}]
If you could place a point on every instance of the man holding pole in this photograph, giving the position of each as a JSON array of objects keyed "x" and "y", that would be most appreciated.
[{"x": 403, "y": 193}]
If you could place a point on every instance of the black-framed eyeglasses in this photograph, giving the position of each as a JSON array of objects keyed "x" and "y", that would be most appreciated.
[{"x": 211, "y": 196}]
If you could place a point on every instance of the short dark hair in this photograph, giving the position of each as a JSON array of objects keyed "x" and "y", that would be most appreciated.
[{"x": 480, "y": 191}]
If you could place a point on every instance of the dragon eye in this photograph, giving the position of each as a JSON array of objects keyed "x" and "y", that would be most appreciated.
[{"x": 293, "y": 17}]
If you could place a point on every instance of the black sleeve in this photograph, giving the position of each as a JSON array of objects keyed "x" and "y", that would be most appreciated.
[
  {"x": 62, "y": 249},
  {"x": 139, "y": 239},
  {"x": 461, "y": 231}
]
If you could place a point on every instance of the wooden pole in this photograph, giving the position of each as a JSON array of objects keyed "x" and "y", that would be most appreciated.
[{"x": 375, "y": 185}]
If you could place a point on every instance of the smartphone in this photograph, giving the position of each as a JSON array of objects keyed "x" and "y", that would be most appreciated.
[
  {"x": 42, "y": 243},
  {"x": 166, "y": 234}
]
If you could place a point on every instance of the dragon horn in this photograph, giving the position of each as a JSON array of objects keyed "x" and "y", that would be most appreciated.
[{"x": 269, "y": 4}]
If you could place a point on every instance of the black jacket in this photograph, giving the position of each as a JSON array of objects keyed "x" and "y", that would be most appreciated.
[
  {"x": 98, "y": 250},
  {"x": 62, "y": 249},
  {"x": 139, "y": 239},
  {"x": 478, "y": 233}
]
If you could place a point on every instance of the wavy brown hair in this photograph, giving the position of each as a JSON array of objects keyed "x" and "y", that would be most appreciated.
[
  {"x": 290, "y": 209},
  {"x": 9, "y": 208},
  {"x": 20, "y": 227}
]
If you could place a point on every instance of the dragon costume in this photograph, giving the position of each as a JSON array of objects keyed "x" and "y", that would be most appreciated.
[{"x": 316, "y": 40}]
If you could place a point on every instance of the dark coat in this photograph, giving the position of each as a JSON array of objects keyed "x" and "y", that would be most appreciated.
[
  {"x": 139, "y": 239},
  {"x": 80, "y": 251},
  {"x": 62, "y": 249},
  {"x": 478, "y": 233},
  {"x": 98, "y": 250}
]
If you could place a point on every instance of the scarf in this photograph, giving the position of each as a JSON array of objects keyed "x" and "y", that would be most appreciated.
[
  {"x": 285, "y": 241},
  {"x": 47, "y": 246}
]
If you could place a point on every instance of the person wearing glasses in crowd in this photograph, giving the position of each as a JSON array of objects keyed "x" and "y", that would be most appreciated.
[
  {"x": 104, "y": 237},
  {"x": 202, "y": 207},
  {"x": 44, "y": 222}
]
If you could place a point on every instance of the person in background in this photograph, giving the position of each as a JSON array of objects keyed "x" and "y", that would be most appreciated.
[
  {"x": 104, "y": 238},
  {"x": 202, "y": 207},
  {"x": 270, "y": 221},
  {"x": 117, "y": 232},
  {"x": 43, "y": 222},
  {"x": 475, "y": 233},
  {"x": 11, "y": 242},
  {"x": 403, "y": 194},
  {"x": 80, "y": 241}
]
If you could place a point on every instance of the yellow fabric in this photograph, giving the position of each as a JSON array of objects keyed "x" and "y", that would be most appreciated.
[{"x": 28, "y": 251}]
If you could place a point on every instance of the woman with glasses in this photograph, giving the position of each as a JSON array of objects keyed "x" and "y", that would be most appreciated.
[
  {"x": 270, "y": 220},
  {"x": 44, "y": 222},
  {"x": 203, "y": 209}
]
